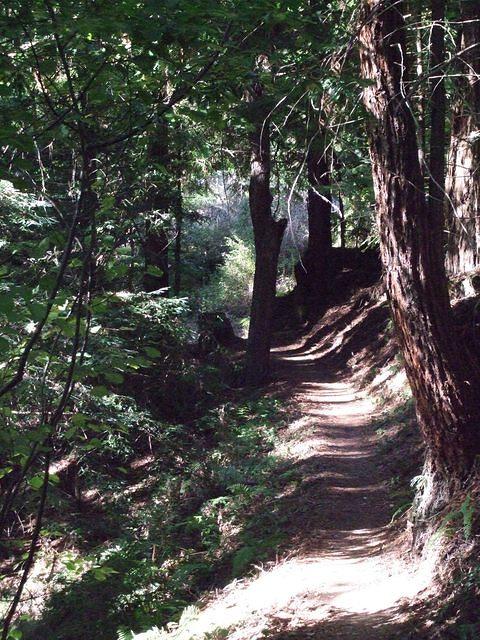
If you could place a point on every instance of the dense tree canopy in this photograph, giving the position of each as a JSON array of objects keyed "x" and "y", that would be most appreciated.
[{"x": 173, "y": 173}]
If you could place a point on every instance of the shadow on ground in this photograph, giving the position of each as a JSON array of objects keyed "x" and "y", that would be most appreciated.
[{"x": 381, "y": 626}]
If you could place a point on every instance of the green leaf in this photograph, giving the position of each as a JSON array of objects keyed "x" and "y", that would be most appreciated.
[
  {"x": 102, "y": 573},
  {"x": 107, "y": 204},
  {"x": 152, "y": 270},
  {"x": 7, "y": 302},
  {"x": 70, "y": 433},
  {"x": 152, "y": 352},
  {"x": 40, "y": 249},
  {"x": 66, "y": 326},
  {"x": 114, "y": 377},
  {"x": 36, "y": 482},
  {"x": 37, "y": 311},
  {"x": 79, "y": 419},
  {"x": 100, "y": 391},
  {"x": 93, "y": 443}
]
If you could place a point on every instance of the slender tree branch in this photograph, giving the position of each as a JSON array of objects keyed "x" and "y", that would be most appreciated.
[{"x": 33, "y": 546}]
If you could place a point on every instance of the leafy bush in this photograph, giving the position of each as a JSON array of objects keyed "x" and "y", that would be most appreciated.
[
  {"x": 203, "y": 510},
  {"x": 231, "y": 286}
]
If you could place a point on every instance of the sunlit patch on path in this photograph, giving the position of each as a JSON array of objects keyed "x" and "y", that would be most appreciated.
[{"x": 344, "y": 578}]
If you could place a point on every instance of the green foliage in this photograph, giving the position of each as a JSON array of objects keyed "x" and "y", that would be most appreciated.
[
  {"x": 209, "y": 510},
  {"x": 468, "y": 510},
  {"x": 460, "y": 611},
  {"x": 231, "y": 285},
  {"x": 121, "y": 122},
  {"x": 219, "y": 263},
  {"x": 468, "y": 631},
  {"x": 463, "y": 518}
]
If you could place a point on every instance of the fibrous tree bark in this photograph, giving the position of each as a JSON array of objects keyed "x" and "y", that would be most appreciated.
[
  {"x": 268, "y": 234},
  {"x": 463, "y": 178},
  {"x": 443, "y": 375},
  {"x": 419, "y": 99},
  {"x": 436, "y": 159},
  {"x": 314, "y": 272}
]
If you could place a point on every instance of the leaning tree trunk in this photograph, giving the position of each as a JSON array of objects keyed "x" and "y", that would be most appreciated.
[
  {"x": 443, "y": 376},
  {"x": 268, "y": 234},
  {"x": 463, "y": 180}
]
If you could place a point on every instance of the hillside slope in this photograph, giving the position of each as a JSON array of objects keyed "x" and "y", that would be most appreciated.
[{"x": 344, "y": 570}]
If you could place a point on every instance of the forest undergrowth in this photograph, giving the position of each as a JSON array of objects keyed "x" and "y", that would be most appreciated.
[
  {"x": 157, "y": 512},
  {"x": 396, "y": 585},
  {"x": 206, "y": 428},
  {"x": 162, "y": 513}
]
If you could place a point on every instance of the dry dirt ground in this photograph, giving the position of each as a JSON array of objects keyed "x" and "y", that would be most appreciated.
[{"x": 347, "y": 575}]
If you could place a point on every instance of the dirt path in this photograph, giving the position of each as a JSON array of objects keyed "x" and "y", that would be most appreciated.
[
  {"x": 345, "y": 578},
  {"x": 348, "y": 579}
]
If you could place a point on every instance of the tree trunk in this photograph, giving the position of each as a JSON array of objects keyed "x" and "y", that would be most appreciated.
[
  {"x": 343, "y": 223},
  {"x": 155, "y": 249},
  {"x": 443, "y": 375},
  {"x": 419, "y": 100},
  {"x": 317, "y": 259},
  {"x": 436, "y": 178},
  {"x": 463, "y": 180},
  {"x": 268, "y": 234},
  {"x": 177, "y": 260},
  {"x": 156, "y": 240}
]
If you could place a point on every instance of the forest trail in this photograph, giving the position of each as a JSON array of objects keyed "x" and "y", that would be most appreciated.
[{"x": 344, "y": 577}]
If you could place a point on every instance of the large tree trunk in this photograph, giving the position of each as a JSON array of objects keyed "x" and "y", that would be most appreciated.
[
  {"x": 436, "y": 160},
  {"x": 155, "y": 250},
  {"x": 314, "y": 273},
  {"x": 419, "y": 99},
  {"x": 463, "y": 181},
  {"x": 268, "y": 234},
  {"x": 444, "y": 377}
]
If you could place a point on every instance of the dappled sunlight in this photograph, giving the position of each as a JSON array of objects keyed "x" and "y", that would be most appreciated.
[
  {"x": 310, "y": 589},
  {"x": 344, "y": 567}
]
